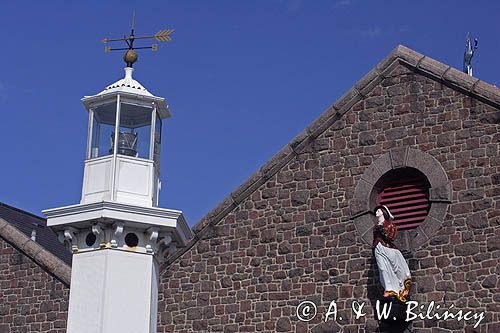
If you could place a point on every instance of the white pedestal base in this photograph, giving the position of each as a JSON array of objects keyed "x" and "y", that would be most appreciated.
[{"x": 113, "y": 291}]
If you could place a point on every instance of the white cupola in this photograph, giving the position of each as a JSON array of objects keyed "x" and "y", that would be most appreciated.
[
  {"x": 123, "y": 154},
  {"x": 117, "y": 233}
]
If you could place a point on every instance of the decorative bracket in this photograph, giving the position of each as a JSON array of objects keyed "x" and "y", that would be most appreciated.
[
  {"x": 172, "y": 248},
  {"x": 152, "y": 237},
  {"x": 70, "y": 238},
  {"x": 117, "y": 234},
  {"x": 166, "y": 244},
  {"x": 97, "y": 231}
]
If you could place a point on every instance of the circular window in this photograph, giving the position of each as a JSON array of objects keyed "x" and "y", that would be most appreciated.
[
  {"x": 90, "y": 239},
  {"x": 131, "y": 239},
  {"x": 415, "y": 188},
  {"x": 405, "y": 192}
]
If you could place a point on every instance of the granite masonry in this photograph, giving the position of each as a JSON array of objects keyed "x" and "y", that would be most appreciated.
[{"x": 299, "y": 228}]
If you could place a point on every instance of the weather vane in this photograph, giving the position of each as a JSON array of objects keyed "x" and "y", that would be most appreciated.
[
  {"x": 130, "y": 55},
  {"x": 469, "y": 53}
]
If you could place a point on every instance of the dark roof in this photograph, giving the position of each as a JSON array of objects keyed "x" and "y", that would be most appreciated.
[
  {"x": 27, "y": 223},
  {"x": 401, "y": 55}
]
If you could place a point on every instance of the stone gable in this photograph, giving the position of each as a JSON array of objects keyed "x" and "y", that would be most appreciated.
[
  {"x": 288, "y": 234},
  {"x": 31, "y": 300}
]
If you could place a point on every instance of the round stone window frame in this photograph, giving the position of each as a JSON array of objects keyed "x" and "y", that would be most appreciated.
[{"x": 364, "y": 199}]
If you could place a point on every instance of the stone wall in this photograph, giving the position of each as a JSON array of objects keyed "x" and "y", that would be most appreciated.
[
  {"x": 31, "y": 300},
  {"x": 294, "y": 239}
]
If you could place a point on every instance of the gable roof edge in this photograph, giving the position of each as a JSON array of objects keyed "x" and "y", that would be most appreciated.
[
  {"x": 449, "y": 76},
  {"x": 43, "y": 258},
  {"x": 400, "y": 55}
]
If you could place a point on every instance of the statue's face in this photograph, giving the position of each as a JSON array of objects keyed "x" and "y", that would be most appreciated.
[{"x": 379, "y": 213}]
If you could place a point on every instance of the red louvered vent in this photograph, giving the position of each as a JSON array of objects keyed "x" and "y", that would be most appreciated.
[{"x": 406, "y": 194}]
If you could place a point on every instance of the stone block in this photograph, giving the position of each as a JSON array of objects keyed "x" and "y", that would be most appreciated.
[
  {"x": 223, "y": 208},
  {"x": 277, "y": 162},
  {"x": 395, "y": 133},
  {"x": 347, "y": 239},
  {"x": 316, "y": 242},
  {"x": 433, "y": 67},
  {"x": 467, "y": 249},
  {"x": 417, "y": 238},
  {"x": 372, "y": 174},
  {"x": 299, "y": 197},
  {"x": 367, "y": 237},
  {"x": 247, "y": 187},
  {"x": 477, "y": 220},
  {"x": 402, "y": 242},
  {"x": 363, "y": 223},
  {"x": 347, "y": 100},
  {"x": 408, "y": 55},
  {"x": 367, "y": 138},
  {"x": 369, "y": 82},
  {"x": 363, "y": 190},
  {"x": 398, "y": 157},
  {"x": 490, "y": 118},
  {"x": 283, "y": 325},
  {"x": 374, "y": 102},
  {"x": 438, "y": 210},
  {"x": 329, "y": 160},
  {"x": 358, "y": 206},
  {"x": 297, "y": 140},
  {"x": 431, "y": 225},
  {"x": 428, "y": 165},
  {"x": 425, "y": 284},
  {"x": 441, "y": 193},
  {"x": 490, "y": 281},
  {"x": 394, "y": 69},
  {"x": 471, "y": 194},
  {"x": 323, "y": 122},
  {"x": 490, "y": 92},
  {"x": 383, "y": 163},
  {"x": 493, "y": 243},
  {"x": 446, "y": 139}
]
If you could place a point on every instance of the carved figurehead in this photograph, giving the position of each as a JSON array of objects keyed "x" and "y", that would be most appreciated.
[{"x": 394, "y": 273}]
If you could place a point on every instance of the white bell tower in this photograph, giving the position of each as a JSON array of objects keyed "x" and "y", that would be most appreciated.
[{"x": 117, "y": 233}]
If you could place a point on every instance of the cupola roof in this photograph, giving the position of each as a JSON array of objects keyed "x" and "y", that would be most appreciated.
[{"x": 127, "y": 85}]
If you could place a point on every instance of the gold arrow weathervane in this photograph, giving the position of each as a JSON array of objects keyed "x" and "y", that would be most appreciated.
[{"x": 131, "y": 56}]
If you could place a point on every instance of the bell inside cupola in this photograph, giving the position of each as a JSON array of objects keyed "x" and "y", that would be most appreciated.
[{"x": 137, "y": 132}]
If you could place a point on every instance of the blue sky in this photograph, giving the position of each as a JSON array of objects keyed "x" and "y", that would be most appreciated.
[{"x": 242, "y": 78}]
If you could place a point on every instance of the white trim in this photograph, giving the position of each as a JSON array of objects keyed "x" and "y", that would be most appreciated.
[
  {"x": 98, "y": 158},
  {"x": 153, "y": 211},
  {"x": 152, "y": 133},
  {"x": 97, "y": 100},
  {"x": 115, "y": 147},
  {"x": 89, "y": 133},
  {"x": 120, "y": 156},
  {"x": 106, "y": 212},
  {"x": 98, "y": 138},
  {"x": 154, "y": 187}
]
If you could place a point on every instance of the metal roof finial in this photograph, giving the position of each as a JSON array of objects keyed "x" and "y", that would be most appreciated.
[
  {"x": 130, "y": 56},
  {"x": 468, "y": 54}
]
